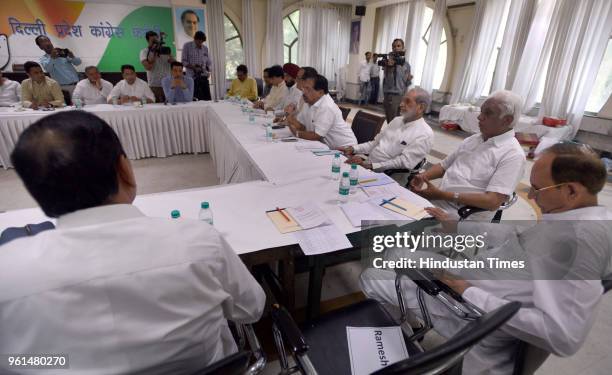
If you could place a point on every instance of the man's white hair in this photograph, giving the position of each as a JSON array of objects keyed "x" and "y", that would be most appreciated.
[{"x": 510, "y": 104}]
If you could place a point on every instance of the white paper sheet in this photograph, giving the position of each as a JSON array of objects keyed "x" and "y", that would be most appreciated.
[
  {"x": 308, "y": 215},
  {"x": 372, "y": 348},
  {"x": 357, "y": 212},
  {"x": 322, "y": 240},
  {"x": 309, "y": 146},
  {"x": 378, "y": 179}
]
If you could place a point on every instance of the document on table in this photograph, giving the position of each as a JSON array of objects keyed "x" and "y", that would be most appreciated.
[
  {"x": 310, "y": 146},
  {"x": 308, "y": 215},
  {"x": 373, "y": 348},
  {"x": 325, "y": 152},
  {"x": 321, "y": 240},
  {"x": 284, "y": 223},
  {"x": 403, "y": 207},
  {"x": 368, "y": 211},
  {"x": 374, "y": 179}
]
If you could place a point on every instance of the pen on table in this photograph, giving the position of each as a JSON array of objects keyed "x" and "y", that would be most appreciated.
[
  {"x": 368, "y": 180},
  {"x": 282, "y": 213},
  {"x": 388, "y": 201}
]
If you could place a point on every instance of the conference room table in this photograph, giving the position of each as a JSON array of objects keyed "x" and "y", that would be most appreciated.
[{"x": 264, "y": 175}]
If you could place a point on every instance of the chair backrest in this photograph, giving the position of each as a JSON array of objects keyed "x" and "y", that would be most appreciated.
[
  {"x": 13, "y": 233},
  {"x": 366, "y": 126},
  {"x": 67, "y": 98},
  {"x": 345, "y": 112},
  {"x": 259, "y": 82},
  {"x": 449, "y": 353},
  {"x": 235, "y": 364},
  {"x": 607, "y": 283}
]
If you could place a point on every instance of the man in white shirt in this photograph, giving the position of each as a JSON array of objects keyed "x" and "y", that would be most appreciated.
[
  {"x": 364, "y": 79},
  {"x": 130, "y": 88},
  {"x": 10, "y": 92},
  {"x": 485, "y": 169},
  {"x": 294, "y": 94},
  {"x": 374, "y": 79},
  {"x": 401, "y": 144},
  {"x": 322, "y": 121},
  {"x": 93, "y": 89},
  {"x": 566, "y": 256},
  {"x": 118, "y": 292},
  {"x": 274, "y": 100}
]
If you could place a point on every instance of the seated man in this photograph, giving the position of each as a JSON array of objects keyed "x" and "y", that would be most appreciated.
[
  {"x": 130, "y": 88},
  {"x": 274, "y": 100},
  {"x": 295, "y": 94},
  {"x": 566, "y": 255},
  {"x": 243, "y": 85},
  {"x": 322, "y": 120},
  {"x": 485, "y": 169},
  {"x": 401, "y": 144},
  {"x": 10, "y": 91},
  {"x": 295, "y": 108},
  {"x": 40, "y": 91},
  {"x": 178, "y": 88},
  {"x": 267, "y": 84},
  {"x": 119, "y": 292},
  {"x": 93, "y": 89}
]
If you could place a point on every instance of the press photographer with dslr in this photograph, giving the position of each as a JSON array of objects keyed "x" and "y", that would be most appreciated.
[
  {"x": 156, "y": 59},
  {"x": 59, "y": 63},
  {"x": 397, "y": 78}
]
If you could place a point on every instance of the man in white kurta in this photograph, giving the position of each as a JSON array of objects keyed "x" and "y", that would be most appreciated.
[
  {"x": 93, "y": 89},
  {"x": 484, "y": 170},
  {"x": 566, "y": 255},
  {"x": 401, "y": 144},
  {"x": 131, "y": 88},
  {"x": 116, "y": 291}
]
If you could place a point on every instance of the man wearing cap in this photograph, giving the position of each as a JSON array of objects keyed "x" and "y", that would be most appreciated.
[{"x": 294, "y": 94}]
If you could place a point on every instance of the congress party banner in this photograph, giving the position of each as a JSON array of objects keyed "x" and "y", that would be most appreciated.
[{"x": 106, "y": 35}]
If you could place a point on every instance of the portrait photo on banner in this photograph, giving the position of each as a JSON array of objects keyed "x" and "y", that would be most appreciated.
[
  {"x": 355, "y": 34},
  {"x": 187, "y": 20}
]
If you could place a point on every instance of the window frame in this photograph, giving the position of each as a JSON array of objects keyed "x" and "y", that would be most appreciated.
[{"x": 297, "y": 32}]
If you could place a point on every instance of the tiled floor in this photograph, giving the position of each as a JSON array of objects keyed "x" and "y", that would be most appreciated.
[{"x": 188, "y": 171}]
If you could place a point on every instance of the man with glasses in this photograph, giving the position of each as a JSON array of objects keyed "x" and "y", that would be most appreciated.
[{"x": 484, "y": 171}]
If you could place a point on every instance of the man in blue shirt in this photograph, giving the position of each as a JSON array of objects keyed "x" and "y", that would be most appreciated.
[
  {"x": 177, "y": 87},
  {"x": 59, "y": 63}
]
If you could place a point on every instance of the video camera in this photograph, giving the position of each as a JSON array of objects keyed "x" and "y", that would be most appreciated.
[
  {"x": 399, "y": 58},
  {"x": 159, "y": 47}
]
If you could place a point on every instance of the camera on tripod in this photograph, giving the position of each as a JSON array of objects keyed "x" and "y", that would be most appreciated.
[
  {"x": 399, "y": 57},
  {"x": 159, "y": 47}
]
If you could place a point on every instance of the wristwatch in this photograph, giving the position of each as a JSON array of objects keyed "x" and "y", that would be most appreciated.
[{"x": 456, "y": 197}]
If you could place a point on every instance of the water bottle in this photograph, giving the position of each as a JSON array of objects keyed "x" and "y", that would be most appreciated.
[
  {"x": 335, "y": 169},
  {"x": 269, "y": 135},
  {"x": 175, "y": 214},
  {"x": 206, "y": 213},
  {"x": 343, "y": 190},
  {"x": 143, "y": 101},
  {"x": 251, "y": 116},
  {"x": 354, "y": 178},
  {"x": 77, "y": 103},
  {"x": 115, "y": 101}
]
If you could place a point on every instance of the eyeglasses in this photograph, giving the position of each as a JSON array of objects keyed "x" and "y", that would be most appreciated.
[{"x": 534, "y": 192}]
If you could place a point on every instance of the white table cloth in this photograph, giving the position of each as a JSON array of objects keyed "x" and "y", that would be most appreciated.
[{"x": 153, "y": 130}]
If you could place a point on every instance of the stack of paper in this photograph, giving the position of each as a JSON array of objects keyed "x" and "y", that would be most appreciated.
[
  {"x": 311, "y": 146},
  {"x": 321, "y": 240}
]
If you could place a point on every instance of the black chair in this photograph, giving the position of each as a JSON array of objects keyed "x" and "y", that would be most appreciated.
[
  {"x": 345, "y": 112},
  {"x": 410, "y": 172},
  {"x": 13, "y": 233},
  {"x": 321, "y": 347},
  {"x": 259, "y": 83},
  {"x": 366, "y": 126},
  {"x": 67, "y": 98},
  {"x": 465, "y": 211}
]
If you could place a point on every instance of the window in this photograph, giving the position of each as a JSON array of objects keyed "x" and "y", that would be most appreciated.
[
  {"x": 603, "y": 83},
  {"x": 493, "y": 61},
  {"x": 291, "y": 27},
  {"x": 442, "y": 54},
  {"x": 234, "y": 54}
]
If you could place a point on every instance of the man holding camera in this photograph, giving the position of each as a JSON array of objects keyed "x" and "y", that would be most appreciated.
[
  {"x": 59, "y": 63},
  {"x": 397, "y": 79},
  {"x": 156, "y": 59},
  {"x": 198, "y": 64}
]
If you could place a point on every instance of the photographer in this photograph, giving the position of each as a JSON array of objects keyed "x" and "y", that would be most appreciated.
[
  {"x": 397, "y": 79},
  {"x": 197, "y": 62},
  {"x": 156, "y": 59},
  {"x": 59, "y": 63}
]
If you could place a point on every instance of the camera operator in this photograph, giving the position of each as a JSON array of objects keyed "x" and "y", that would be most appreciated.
[
  {"x": 59, "y": 63},
  {"x": 156, "y": 59},
  {"x": 397, "y": 79}
]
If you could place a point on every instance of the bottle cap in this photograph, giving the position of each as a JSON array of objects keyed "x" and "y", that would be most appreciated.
[
  {"x": 337, "y": 155},
  {"x": 345, "y": 174},
  {"x": 175, "y": 214},
  {"x": 204, "y": 205},
  {"x": 353, "y": 166}
]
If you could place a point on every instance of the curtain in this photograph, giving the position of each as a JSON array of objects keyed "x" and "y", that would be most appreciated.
[
  {"x": 533, "y": 62},
  {"x": 484, "y": 31},
  {"x": 324, "y": 36},
  {"x": 520, "y": 15},
  {"x": 412, "y": 39},
  {"x": 217, "y": 46},
  {"x": 433, "y": 45},
  {"x": 582, "y": 33},
  {"x": 274, "y": 34},
  {"x": 251, "y": 58}
]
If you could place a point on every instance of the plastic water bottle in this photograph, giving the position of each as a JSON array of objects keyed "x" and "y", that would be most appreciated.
[
  {"x": 175, "y": 214},
  {"x": 143, "y": 100},
  {"x": 269, "y": 135},
  {"x": 78, "y": 104},
  {"x": 335, "y": 169},
  {"x": 251, "y": 116},
  {"x": 354, "y": 178},
  {"x": 206, "y": 213},
  {"x": 343, "y": 190},
  {"x": 115, "y": 101}
]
